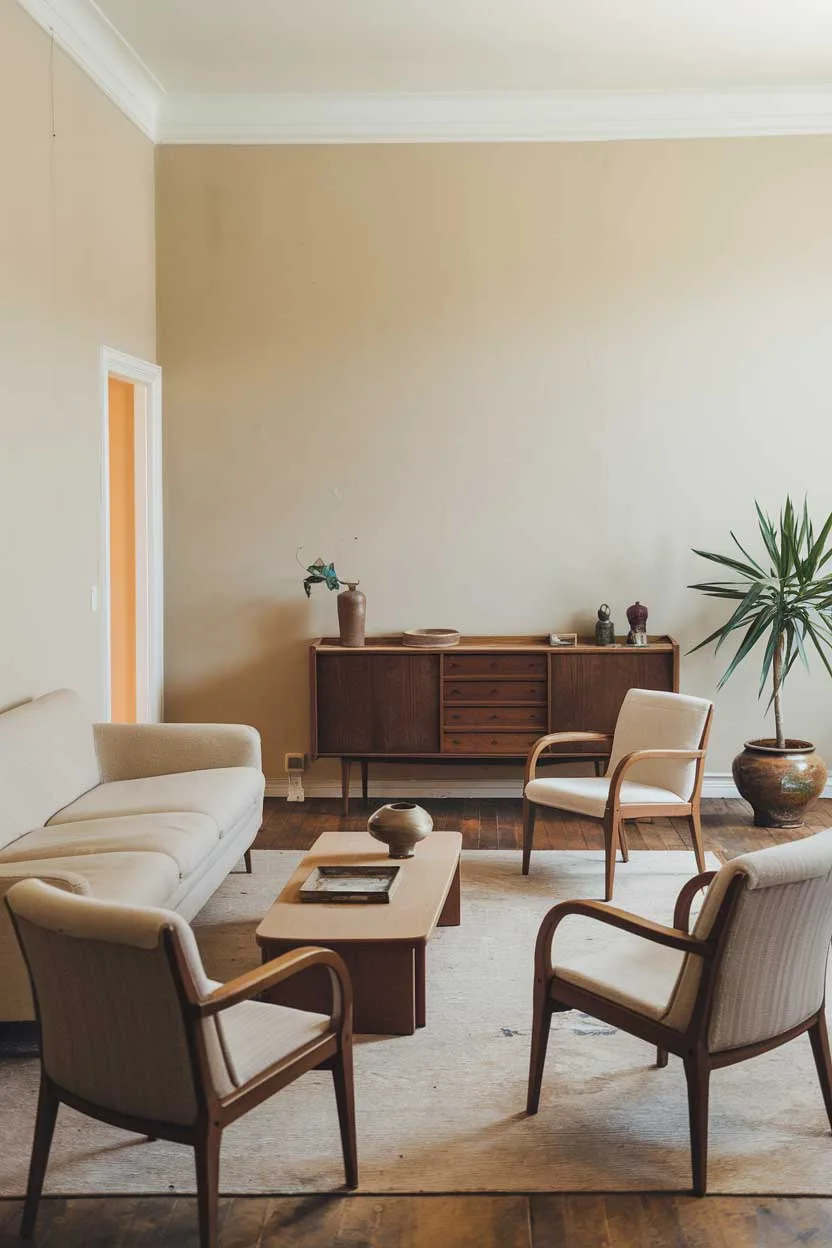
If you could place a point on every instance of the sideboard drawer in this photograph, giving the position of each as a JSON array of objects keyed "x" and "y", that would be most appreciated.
[
  {"x": 496, "y": 717},
  {"x": 485, "y": 692},
  {"x": 506, "y": 743},
  {"x": 495, "y": 665}
]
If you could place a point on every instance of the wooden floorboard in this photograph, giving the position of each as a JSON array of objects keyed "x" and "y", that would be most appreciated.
[
  {"x": 559, "y": 1220},
  {"x": 496, "y": 823}
]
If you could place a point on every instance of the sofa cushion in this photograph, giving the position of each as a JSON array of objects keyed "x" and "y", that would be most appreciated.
[
  {"x": 47, "y": 760},
  {"x": 144, "y": 879},
  {"x": 226, "y": 794},
  {"x": 186, "y": 838}
]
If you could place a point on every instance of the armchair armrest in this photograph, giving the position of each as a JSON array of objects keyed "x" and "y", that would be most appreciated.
[
  {"x": 555, "y": 738},
  {"x": 643, "y": 756},
  {"x": 259, "y": 980},
  {"x": 136, "y": 751},
  {"x": 681, "y": 914},
  {"x": 672, "y": 937}
]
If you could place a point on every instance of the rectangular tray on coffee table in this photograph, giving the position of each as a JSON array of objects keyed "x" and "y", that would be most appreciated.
[{"x": 383, "y": 946}]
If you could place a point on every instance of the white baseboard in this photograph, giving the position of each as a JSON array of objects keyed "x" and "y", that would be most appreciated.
[{"x": 716, "y": 784}]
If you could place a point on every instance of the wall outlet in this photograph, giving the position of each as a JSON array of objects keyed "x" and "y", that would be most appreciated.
[{"x": 295, "y": 765}]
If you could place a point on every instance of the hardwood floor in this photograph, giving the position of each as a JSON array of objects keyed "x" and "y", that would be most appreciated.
[{"x": 644, "y": 1220}]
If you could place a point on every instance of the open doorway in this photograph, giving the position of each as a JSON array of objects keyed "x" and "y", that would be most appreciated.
[{"x": 131, "y": 583}]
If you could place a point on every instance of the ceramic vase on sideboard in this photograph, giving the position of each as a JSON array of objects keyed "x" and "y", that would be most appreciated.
[{"x": 352, "y": 614}]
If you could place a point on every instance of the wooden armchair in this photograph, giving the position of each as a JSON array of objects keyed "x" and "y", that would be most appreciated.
[
  {"x": 134, "y": 1033},
  {"x": 656, "y": 766},
  {"x": 750, "y": 977}
]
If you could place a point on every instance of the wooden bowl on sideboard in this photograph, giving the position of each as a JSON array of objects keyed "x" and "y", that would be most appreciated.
[{"x": 436, "y": 638}]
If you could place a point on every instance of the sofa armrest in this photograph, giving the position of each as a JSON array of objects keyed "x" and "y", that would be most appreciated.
[{"x": 135, "y": 751}]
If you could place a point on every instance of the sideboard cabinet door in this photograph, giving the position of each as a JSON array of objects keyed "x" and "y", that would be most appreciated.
[
  {"x": 587, "y": 690},
  {"x": 378, "y": 703}
]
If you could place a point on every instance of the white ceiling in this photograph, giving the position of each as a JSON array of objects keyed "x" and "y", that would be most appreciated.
[
  {"x": 256, "y": 46},
  {"x": 244, "y": 69}
]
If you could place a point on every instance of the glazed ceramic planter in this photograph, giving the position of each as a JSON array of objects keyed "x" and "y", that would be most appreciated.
[
  {"x": 400, "y": 826},
  {"x": 779, "y": 783}
]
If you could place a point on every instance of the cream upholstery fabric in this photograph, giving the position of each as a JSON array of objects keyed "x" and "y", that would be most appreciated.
[
  {"x": 145, "y": 879},
  {"x": 145, "y": 837},
  {"x": 226, "y": 794},
  {"x": 588, "y": 795},
  {"x": 623, "y": 968},
  {"x": 648, "y": 720},
  {"x": 774, "y": 968},
  {"x": 254, "y": 1035},
  {"x": 111, "y": 1018},
  {"x": 47, "y": 759},
  {"x": 186, "y": 838},
  {"x": 134, "y": 751}
]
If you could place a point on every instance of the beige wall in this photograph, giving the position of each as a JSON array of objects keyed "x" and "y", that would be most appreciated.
[
  {"x": 76, "y": 272},
  {"x": 498, "y": 383}
]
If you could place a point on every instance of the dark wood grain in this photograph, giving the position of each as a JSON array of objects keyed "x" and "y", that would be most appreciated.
[
  {"x": 551, "y": 1220},
  {"x": 587, "y": 689},
  {"x": 377, "y": 704}
]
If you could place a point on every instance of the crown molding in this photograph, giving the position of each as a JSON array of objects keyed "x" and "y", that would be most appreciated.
[
  {"x": 492, "y": 117},
  {"x": 84, "y": 33}
]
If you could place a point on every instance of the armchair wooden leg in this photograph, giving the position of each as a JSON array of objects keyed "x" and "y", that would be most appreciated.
[
  {"x": 541, "y": 1025},
  {"x": 528, "y": 833},
  {"x": 698, "y": 1074},
  {"x": 207, "y": 1159},
  {"x": 695, "y": 825},
  {"x": 661, "y": 1058},
  {"x": 622, "y": 841},
  {"x": 44, "y": 1129},
  {"x": 247, "y": 860},
  {"x": 819, "y": 1037},
  {"x": 610, "y": 849},
  {"x": 345, "y": 1100}
]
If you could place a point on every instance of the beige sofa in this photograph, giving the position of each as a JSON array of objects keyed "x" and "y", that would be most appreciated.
[{"x": 148, "y": 814}]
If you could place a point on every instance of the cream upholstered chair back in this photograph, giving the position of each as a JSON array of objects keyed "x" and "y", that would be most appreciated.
[
  {"x": 772, "y": 975},
  {"x": 108, "y": 1001},
  {"x": 651, "y": 720}
]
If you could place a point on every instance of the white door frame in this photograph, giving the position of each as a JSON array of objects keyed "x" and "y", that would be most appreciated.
[{"x": 147, "y": 382}]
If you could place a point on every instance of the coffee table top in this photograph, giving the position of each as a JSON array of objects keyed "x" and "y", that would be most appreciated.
[{"x": 410, "y": 915}]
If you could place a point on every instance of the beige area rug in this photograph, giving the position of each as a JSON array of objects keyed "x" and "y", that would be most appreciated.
[{"x": 443, "y": 1110}]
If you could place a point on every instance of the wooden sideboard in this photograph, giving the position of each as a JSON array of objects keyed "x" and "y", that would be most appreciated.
[{"x": 486, "y": 700}]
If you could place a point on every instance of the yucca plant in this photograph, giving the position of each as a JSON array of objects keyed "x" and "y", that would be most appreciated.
[{"x": 789, "y": 602}]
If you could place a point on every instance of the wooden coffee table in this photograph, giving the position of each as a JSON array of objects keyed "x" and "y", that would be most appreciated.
[{"x": 382, "y": 944}]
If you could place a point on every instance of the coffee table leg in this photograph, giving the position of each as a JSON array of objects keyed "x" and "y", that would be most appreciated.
[
  {"x": 451, "y": 915},
  {"x": 420, "y": 967}
]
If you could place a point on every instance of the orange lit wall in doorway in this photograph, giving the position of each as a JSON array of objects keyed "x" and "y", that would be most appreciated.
[{"x": 122, "y": 469}]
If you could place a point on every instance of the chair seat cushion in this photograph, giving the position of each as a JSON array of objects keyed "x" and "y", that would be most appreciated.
[
  {"x": 225, "y": 794},
  {"x": 145, "y": 879},
  {"x": 186, "y": 838},
  {"x": 624, "y": 968},
  {"x": 254, "y": 1035},
  {"x": 587, "y": 795}
]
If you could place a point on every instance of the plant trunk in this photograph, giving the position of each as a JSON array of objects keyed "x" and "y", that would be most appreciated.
[{"x": 778, "y": 677}]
